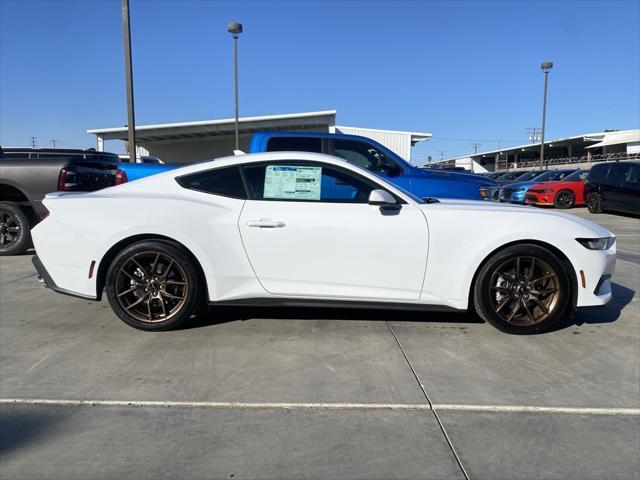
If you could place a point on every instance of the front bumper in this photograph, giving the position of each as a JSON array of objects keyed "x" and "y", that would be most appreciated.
[
  {"x": 47, "y": 281},
  {"x": 512, "y": 196},
  {"x": 533, "y": 198}
]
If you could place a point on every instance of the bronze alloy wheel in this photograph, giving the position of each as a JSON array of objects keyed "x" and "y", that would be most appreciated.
[
  {"x": 151, "y": 286},
  {"x": 524, "y": 290}
]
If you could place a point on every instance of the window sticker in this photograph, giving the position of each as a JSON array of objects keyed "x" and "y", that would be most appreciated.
[{"x": 292, "y": 182}]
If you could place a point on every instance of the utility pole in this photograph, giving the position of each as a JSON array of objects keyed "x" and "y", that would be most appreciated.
[
  {"x": 442, "y": 152},
  {"x": 53, "y": 141},
  {"x": 34, "y": 141},
  {"x": 475, "y": 147},
  {"x": 126, "y": 30},
  {"x": 534, "y": 134}
]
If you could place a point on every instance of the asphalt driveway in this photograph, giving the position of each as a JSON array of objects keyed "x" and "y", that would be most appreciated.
[{"x": 290, "y": 393}]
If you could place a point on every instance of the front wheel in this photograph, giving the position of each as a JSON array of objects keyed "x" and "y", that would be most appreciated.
[
  {"x": 564, "y": 199},
  {"x": 154, "y": 285},
  {"x": 522, "y": 289}
]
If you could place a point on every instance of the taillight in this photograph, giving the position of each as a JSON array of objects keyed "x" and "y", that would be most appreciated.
[
  {"x": 121, "y": 177},
  {"x": 67, "y": 180}
]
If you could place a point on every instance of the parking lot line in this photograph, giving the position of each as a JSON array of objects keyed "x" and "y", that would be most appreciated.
[{"x": 322, "y": 406}]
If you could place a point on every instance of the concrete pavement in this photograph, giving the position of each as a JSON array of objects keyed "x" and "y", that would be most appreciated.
[{"x": 57, "y": 347}]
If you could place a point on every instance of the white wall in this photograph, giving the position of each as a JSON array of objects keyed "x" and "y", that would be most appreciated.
[{"x": 397, "y": 142}]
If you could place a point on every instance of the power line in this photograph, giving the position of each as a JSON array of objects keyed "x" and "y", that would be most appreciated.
[
  {"x": 475, "y": 147},
  {"x": 534, "y": 134},
  {"x": 53, "y": 141}
]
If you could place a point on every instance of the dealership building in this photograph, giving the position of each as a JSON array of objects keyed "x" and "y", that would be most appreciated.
[
  {"x": 578, "y": 150},
  {"x": 189, "y": 142}
]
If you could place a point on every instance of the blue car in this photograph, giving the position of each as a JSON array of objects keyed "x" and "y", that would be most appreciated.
[
  {"x": 516, "y": 192},
  {"x": 376, "y": 158}
]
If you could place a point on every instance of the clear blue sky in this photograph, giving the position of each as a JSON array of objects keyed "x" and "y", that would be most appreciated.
[{"x": 465, "y": 71}]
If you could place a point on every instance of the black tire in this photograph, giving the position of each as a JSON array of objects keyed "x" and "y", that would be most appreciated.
[
  {"x": 498, "y": 290},
  {"x": 15, "y": 230},
  {"x": 594, "y": 204},
  {"x": 564, "y": 199},
  {"x": 137, "y": 273}
]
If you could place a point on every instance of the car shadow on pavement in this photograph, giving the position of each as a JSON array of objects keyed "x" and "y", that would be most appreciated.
[
  {"x": 224, "y": 314},
  {"x": 217, "y": 315},
  {"x": 609, "y": 313},
  {"x": 22, "y": 427}
]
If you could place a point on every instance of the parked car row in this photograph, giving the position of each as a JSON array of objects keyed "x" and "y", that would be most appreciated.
[{"x": 611, "y": 186}]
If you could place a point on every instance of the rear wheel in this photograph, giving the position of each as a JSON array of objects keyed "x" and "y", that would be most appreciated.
[
  {"x": 522, "y": 289},
  {"x": 593, "y": 203},
  {"x": 154, "y": 285},
  {"x": 15, "y": 234},
  {"x": 564, "y": 199}
]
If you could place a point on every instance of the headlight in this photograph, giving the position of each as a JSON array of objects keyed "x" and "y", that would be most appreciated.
[
  {"x": 520, "y": 189},
  {"x": 597, "y": 243}
]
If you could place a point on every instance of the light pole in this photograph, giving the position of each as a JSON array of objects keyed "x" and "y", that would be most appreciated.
[
  {"x": 235, "y": 29},
  {"x": 126, "y": 30},
  {"x": 545, "y": 66}
]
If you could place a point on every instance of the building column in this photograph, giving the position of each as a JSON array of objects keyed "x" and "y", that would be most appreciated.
[{"x": 99, "y": 143}]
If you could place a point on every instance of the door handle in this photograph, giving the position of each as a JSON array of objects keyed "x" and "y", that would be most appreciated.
[{"x": 265, "y": 223}]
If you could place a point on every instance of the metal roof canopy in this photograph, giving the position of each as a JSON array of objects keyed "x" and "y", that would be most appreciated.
[
  {"x": 212, "y": 128},
  {"x": 589, "y": 137},
  {"x": 616, "y": 138},
  {"x": 416, "y": 137}
]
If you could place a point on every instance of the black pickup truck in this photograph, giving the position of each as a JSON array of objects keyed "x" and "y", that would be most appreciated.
[{"x": 28, "y": 174}]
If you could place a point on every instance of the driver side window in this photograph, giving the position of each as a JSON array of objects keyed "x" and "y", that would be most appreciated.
[{"x": 305, "y": 181}]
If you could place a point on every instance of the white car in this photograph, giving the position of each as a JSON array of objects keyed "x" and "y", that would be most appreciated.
[{"x": 294, "y": 228}]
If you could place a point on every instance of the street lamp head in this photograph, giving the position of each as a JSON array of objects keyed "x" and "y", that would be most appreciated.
[
  {"x": 234, "y": 28},
  {"x": 546, "y": 66}
]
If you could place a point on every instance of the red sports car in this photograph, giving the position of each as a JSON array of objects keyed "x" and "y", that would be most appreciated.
[{"x": 564, "y": 193}]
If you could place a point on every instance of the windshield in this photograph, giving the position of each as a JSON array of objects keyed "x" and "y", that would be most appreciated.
[
  {"x": 527, "y": 176},
  {"x": 577, "y": 176},
  {"x": 552, "y": 176},
  {"x": 510, "y": 176}
]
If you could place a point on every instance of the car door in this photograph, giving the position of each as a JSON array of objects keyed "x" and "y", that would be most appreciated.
[
  {"x": 631, "y": 190},
  {"x": 308, "y": 230},
  {"x": 613, "y": 194}
]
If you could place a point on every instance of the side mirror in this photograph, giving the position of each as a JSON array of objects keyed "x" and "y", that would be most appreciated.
[{"x": 381, "y": 197}]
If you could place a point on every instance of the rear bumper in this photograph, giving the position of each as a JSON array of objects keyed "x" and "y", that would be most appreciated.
[{"x": 47, "y": 281}]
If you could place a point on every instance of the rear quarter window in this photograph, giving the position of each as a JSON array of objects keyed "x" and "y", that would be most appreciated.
[{"x": 226, "y": 182}]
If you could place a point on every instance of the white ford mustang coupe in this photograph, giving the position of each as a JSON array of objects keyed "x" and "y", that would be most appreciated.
[{"x": 293, "y": 228}]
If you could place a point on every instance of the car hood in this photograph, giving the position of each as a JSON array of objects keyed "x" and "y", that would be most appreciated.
[
  {"x": 518, "y": 184},
  {"x": 474, "y": 207}
]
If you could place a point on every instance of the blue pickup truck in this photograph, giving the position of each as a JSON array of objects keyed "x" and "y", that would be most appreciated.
[{"x": 360, "y": 151}]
